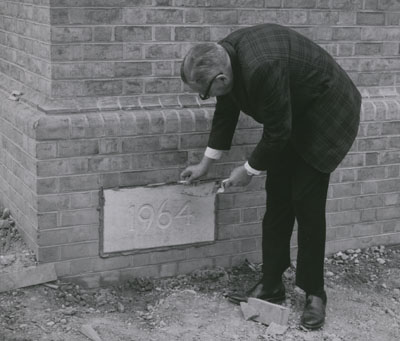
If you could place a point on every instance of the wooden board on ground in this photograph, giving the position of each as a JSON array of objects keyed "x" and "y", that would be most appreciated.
[{"x": 26, "y": 277}]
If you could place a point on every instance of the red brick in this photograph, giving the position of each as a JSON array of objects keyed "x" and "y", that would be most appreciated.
[
  {"x": 380, "y": 34},
  {"x": 164, "y": 16},
  {"x": 171, "y": 121},
  {"x": 369, "y": 201},
  {"x": 150, "y": 143},
  {"x": 47, "y": 186},
  {"x": 77, "y": 148},
  {"x": 251, "y": 17},
  {"x": 369, "y": 187},
  {"x": 103, "y": 88},
  {"x": 108, "y": 278},
  {"x": 190, "y": 266},
  {"x": 168, "y": 269},
  {"x": 347, "y": 33},
  {"x": 366, "y": 229},
  {"x": 46, "y": 203},
  {"x": 49, "y": 254},
  {"x": 368, "y": 215},
  {"x": 248, "y": 245},
  {"x": 70, "y": 235},
  {"x": 63, "y": 269},
  {"x": 71, "y": 34},
  {"x": 353, "y": 160},
  {"x": 52, "y": 168},
  {"x": 132, "y": 69},
  {"x": 192, "y": 33},
  {"x": 299, "y": 3},
  {"x": 132, "y": 33},
  {"x": 194, "y": 140},
  {"x": 162, "y": 33},
  {"x": 228, "y": 217},
  {"x": 250, "y": 215},
  {"x": 80, "y": 217},
  {"x": 140, "y": 259},
  {"x": 138, "y": 178},
  {"x": 344, "y": 218},
  {"x": 390, "y": 157},
  {"x": 158, "y": 160},
  {"x": 88, "y": 281},
  {"x": 387, "y": 213},
  {"x": 78, "y": 183},
  {"x": 113, "y": 263},
  {"x": 152, "y": 271},
  {"x": 167, "y": 256},
  {"x": 102, "y": 33},
  {"x": 254, "y": 257},
  {"x": 142, "y": 122},
  {"x": 132, "y": 86},
  {"x": 370, "y": 173},
  {"x": 85, "y": 16},
  {"x": 47, "y": 220},
  {"x": 51, "y": 128},
  {"x": 370, "y": 18},
  {"x": 160, "y": 85},
  {"x": 79, "y": 250}
]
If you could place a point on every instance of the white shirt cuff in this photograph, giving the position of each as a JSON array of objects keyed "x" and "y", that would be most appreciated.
[
  {"x": 250, "y": 169},
  {"x": 213, "y": 153}
]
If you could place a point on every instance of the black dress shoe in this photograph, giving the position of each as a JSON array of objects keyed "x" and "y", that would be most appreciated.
[
  {"x": 314, "y": 311},
  {"x": 273, "y": 294}
]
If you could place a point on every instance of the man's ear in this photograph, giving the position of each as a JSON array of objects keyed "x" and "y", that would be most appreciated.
[{"x": 223, "y": 78}]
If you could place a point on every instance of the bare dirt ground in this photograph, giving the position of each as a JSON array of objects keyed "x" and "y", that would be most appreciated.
[{"x": 363, "y": 289}]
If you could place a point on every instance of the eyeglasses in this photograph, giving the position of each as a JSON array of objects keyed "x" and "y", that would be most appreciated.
[{"x": 206, "y": 94}]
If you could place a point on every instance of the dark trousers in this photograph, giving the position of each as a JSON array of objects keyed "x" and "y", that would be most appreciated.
[{"x": 295, "y": 190}]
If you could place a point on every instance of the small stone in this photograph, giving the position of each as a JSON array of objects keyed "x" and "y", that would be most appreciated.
[
  {"x": 50, "y": 323},
  {"x": 329, "y": 274},
  {"x": 63, "y": 321},
  {"x": 120, "y": 307},
  {"x": 6, "y": 213},
  {"x": 390, "y": 312},
  {"x": 381, "y": 261},
  {"x": 7, "y": 259},
  {"x": 276, "y": 329},
  {"x": 344, "y": 256}
]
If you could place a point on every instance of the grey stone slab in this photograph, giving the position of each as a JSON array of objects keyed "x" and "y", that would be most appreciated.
[
  {"x": 159, "y": 216},
  {"x": 27, "y": 277},
  {"x": 266, "y": 312}
]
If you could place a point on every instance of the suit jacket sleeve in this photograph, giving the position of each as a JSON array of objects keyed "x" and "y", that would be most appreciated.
[
  {"x": 224, "y": 123},
  {"x": 271, "y": 83}
]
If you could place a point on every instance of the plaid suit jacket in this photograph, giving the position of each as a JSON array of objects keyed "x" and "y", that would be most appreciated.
[{"x": 295, "y": 89}]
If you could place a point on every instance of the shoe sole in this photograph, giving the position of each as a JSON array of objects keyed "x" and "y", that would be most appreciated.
[
  {"x": 312, "y": 327},
  {"x": 275, "y": 300}
]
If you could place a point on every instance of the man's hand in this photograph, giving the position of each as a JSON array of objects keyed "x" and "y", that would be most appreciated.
[
  {"x": 238, "y": 177},
  {"x": 192, "y": 173}
]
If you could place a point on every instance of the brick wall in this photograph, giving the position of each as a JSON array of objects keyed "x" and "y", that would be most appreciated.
[
  {"x": 122, "y": 48},
  {"x": 54, "y": 165},
  {"x": 25, "y": 42},
  {"x": 57, "y": 153}
]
